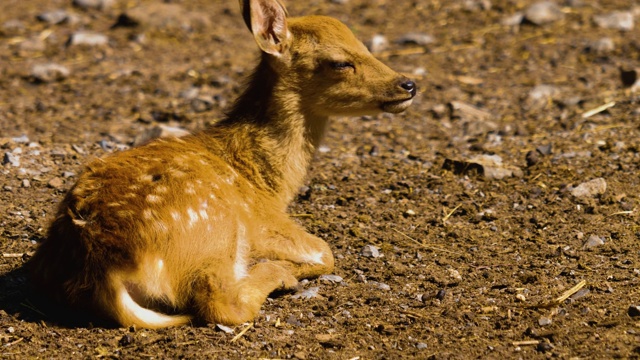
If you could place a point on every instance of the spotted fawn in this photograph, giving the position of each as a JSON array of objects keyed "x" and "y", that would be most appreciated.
[{"x": 195, "y": 228}]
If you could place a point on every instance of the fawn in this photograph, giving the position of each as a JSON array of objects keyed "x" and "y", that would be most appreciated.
[{"x": 196, "y": 227}]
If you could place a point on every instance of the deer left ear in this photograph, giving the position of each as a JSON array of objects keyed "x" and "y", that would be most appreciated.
[{"x": 267, "y": 20}]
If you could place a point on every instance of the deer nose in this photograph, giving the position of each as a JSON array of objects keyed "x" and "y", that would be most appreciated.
[{"x": 410, "y": 86}]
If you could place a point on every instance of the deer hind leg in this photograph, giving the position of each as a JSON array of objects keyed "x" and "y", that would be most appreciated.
[
  {"x": 307, "y": 255},
  {"x": 233, "y": 301}
]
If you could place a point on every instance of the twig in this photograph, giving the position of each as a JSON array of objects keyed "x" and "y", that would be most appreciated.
[
  {"x": 563, "y": 297},
  {"x": 425, "y": 246},
  {"x": 410, "y": 51},
  {"x": 630, "y": 212},
  {"x": 599, "y": 109},
  {"x": 526, "y": 342},
  {"x": 446, "y": 217},
  {"x": 242, "y": 332},
  {"x": 302, "y": 215},
  {"x": 12, "y": 255},
  {"x": 13, "y": 342}
]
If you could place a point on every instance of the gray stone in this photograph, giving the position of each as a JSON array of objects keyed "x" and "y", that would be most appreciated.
[
  {"x": 415, "y": 38},
  {"x": 513, "y": 20},
  {"x": 93, "y": 4},
  {"x": 21, "y": 139},
  {"x": 422, "y": 346},
  {"x": 487, "y": 166},
  {"x": 370, "y": 251},
  {"x": 593, "y": 241},
  {"x": 619, "y": 20},
  {"x": 602, "y": 45},
  {"x": 307, "y": 294},
  {"x": 53, "y": 17},
  {"x": 12, "y": 159},
  {"x": 87, "y": 38},
  {"x": 590, "y": 188},
  {"x": 378, "y": 43},
  {"x": 542, "y": 13},
  {"x": 330, "y": 278},
  {"x": 544, "y": 321},
  {"x": 164, "y": 16}
]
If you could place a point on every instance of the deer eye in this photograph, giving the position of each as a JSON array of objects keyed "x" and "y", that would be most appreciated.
[{"x": 342, "y": 65}]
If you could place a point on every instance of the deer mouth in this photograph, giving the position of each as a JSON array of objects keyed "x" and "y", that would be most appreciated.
[{"x": 396, "y": 106}]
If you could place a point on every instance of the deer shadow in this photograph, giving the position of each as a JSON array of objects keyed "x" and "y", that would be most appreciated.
[{"x": 21, "y": 300}]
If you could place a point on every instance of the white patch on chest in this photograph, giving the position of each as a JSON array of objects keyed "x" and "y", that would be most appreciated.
[{"x": 240, "y": 270}]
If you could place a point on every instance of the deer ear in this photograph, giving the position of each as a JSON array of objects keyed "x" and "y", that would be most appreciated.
[{"x": 267, "y": 20}]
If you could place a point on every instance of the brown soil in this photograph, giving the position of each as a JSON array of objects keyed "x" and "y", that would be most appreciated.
[{"x": 467, "y": 263}]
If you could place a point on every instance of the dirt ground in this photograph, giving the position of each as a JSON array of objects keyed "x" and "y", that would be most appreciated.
[{"x": 437, "y": 257}]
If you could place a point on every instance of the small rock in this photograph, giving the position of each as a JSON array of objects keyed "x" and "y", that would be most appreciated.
[
  {"x": 634, "y": 311},
  {"x": 11, "y": 330},
  {"x": 545, "y": 149},
  {"x": 21, "y": 139},
  {"x": 487, "y": 166},
  {"x": 542, "y": 13},
  {"x": 68, "y": 174},
  {"x": 202, "y": 104},
  {"x": 521, "y": 298},
  {"x": 56, "y": 183},
  {"x": 307, "y": 294},
  {"x": 475, "y": 121},
  {"x": 593, "y": 187},
  {"x": 414, "y": 38},
  {"x": 454, "y": 274},
  {"x": 190, "y": 93},
  {"x": 602, "y": 46},
  {"x": 26, "y": 183},
  {"x": 370, "y": 251},
  {"x": 12, "y": 159},
  {"x": 477, "y": 5},
  {"x": 300, "y": 355},
  {"x": 593, "y": 241},
  {"x": 93, "y": 4},
  {"x": 381, "y": 286},
  {"x": 127, "y": 339},
  {"x": 87, "y": 38},
  {"x": 619, "y": 20},
  {"x": 544, "y": 321},
  {"x": 513, "y": 20},
  {"x": 541, "y": 95},
  {"x": 532, "y": 158},
  {"x": 579, "y": 294},
  {"x": 159, "y": 131},
  {"x": 49, "y": 72},
  {"x": 293, "y": 320},
  {"x": 378, "y": 43},
  {"x": 224, "y": 329},
  {"x": 409, "y": 213},
  {"x": 53, "y": 17},
  {"x": 330, "y": 278},
  {"x": 12, "y": 27},
  {"x": 544, "y": 346},
  {"x": 422, "y": 346}
]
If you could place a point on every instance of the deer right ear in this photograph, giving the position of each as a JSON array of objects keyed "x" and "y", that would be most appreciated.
[{"x": 267, "y": 20}]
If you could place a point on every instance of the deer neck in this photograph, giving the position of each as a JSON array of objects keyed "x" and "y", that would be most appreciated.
[{"x": 282, "y": 137}]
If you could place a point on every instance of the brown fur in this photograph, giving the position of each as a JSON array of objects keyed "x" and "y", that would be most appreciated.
[{"x": 198, "y": 224}]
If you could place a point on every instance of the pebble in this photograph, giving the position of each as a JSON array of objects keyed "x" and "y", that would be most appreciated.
[
  {"x": 630, "y": 77},
  {"x": 593, "y": 187},
  {"x": 488, "y": 166},
  {"x": 422, "y": 346},
  {"x": 602, "y": 45},
  {"x": 93, "y": 4},
  {"x": 542, "y": 13},
  {"x": 49, "y": 72},
  {"x": 477, "y": 5},
  {"x": 87, "y": 38},
  {"x": 12, "y": 27},
  {"x": 330, "y": 278},
  {"x": 513, "y": 20},
  {"x": 593, "y": 241},
  {"x": 544, "y": 321},
  {"x": 26, "y": 183},
  {"x": 224, "y": 328},
  {"x": 415, "y": 38},
  {"x": 378, "y": 43},
  {"x": 634, "y": 311},
  {"x": 293, "y": 320},
  {"x": 476, "y": 121},
  {"x": 307, "y": 294},
  {"x": 540, "y": 95},
  {"x": 409, "y": 213},
  {"x": 202, "y": 104},
  {"x": 163, "y": 16},
  {"x": 21, "y": 140},
  {"x": 12, "y": 159},
  {"x": 56, "y": 183},
  {"x": 68, "y": 174},
  {"x": 619, "y": 20},
  {"x": 370, "y": 251},
  {"x": 454, "y": 274},
  {"x": 381, "y": 286},
  {"x": 544, "y": 346},
  {"x": 532, "y": 158},
  {"x": 53, "y": 17}
]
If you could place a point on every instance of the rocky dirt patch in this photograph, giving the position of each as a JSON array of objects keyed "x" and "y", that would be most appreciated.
[{"x": 433, "y": 261}]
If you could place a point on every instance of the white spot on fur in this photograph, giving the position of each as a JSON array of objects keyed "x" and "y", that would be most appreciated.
[
  {"x": 147, "y": 214},
  {"x": 193, "y": 217},
  {"x": 242, "y": 249},
  {"x": 190, "y": 189},
  {"x": 162, "y": 189},
  {"x": 130, "y": 196},
  {"x": 78, "y": 222},
  {"x": 313, "y": 258},
  {"x": 162, "y": 227},
  {"x": 175, "y": 215},
  {"x": 154, "y": 199},
  {"x": 145, "y": 178},
  {"x": 114, "y": 204}
]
